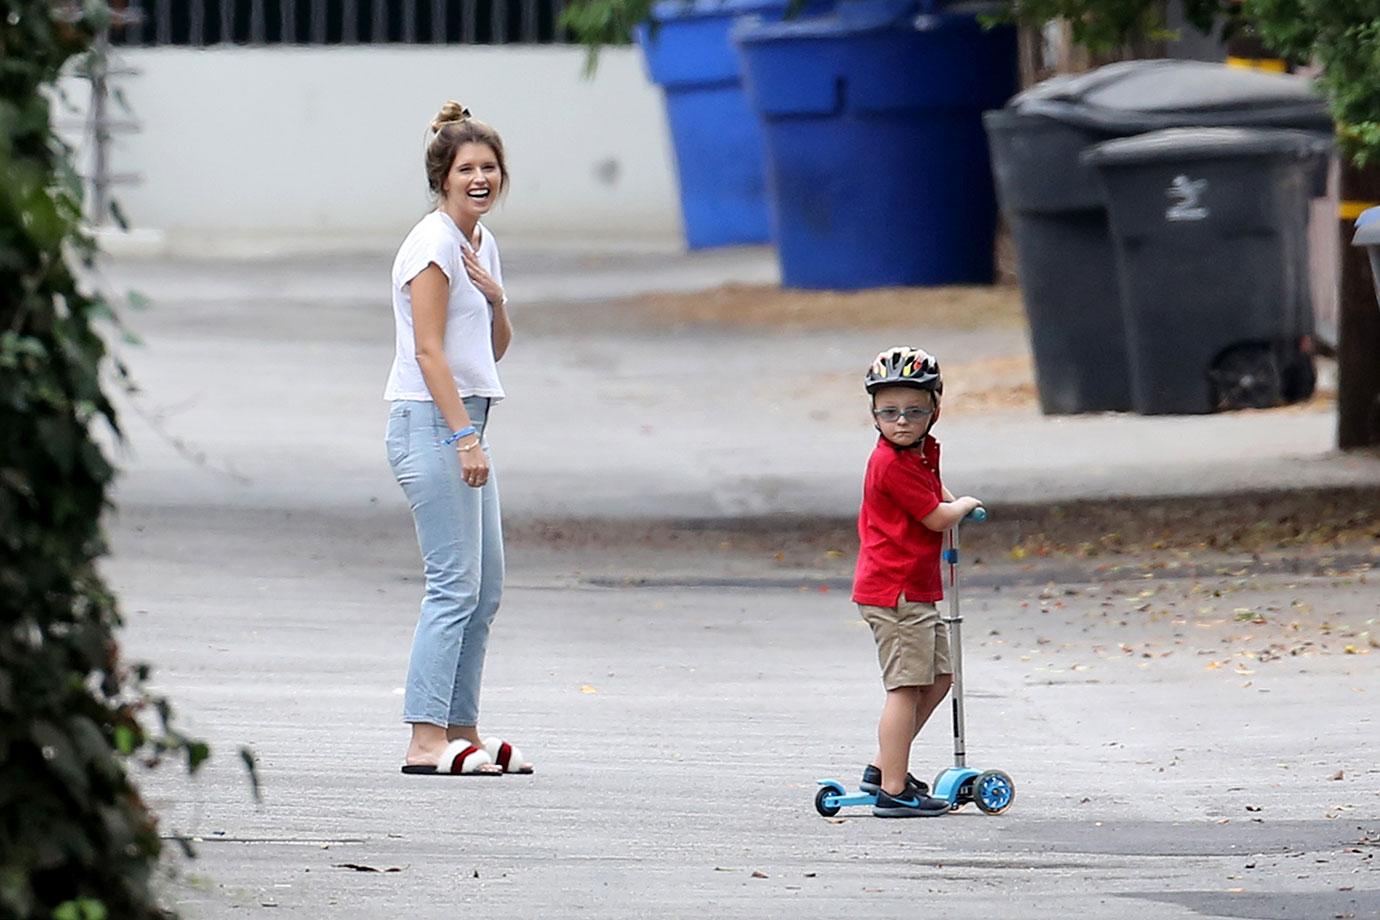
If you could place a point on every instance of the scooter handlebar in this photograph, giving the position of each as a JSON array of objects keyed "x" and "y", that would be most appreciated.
[{"x": 976, "y": 516}]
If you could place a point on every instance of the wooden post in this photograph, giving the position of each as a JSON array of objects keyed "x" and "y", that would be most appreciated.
[{"x": 1358, "y": 320}]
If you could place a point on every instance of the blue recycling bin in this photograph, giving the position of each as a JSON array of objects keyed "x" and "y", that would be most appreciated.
[
  {"x": 877, "y": 162},
  {"x": 717, "y": 142}
]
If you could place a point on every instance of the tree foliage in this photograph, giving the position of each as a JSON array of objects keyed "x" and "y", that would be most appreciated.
[
  {"x": 1104, "y": 26},
  {"x": 76, "y": 840},
  {"x": 596, "y": 23},
  {"x": 1343, "y": 37}
]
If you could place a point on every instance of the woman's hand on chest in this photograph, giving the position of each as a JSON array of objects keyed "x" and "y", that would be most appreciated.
[{"x": 480, "y": 277}]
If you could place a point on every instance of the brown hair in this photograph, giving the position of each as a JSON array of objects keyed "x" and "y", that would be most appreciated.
[{"x": 451, "y": 129}]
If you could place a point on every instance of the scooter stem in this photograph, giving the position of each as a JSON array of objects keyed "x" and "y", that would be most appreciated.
[{"x": 955, "y": 621}]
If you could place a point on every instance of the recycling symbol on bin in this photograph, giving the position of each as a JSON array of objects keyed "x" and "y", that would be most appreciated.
[{"x": 1186, "y": 194}]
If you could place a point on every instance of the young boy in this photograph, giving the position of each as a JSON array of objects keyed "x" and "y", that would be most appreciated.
[{"x": 905, "y": 511}]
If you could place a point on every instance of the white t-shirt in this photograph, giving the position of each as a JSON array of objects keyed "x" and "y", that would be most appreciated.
[{"x": 469, "y": 318}]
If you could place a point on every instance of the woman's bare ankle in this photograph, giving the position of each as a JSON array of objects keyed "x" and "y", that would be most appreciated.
[
  {"x": 426, "y": 744},
  {"x": 468, "y": 733}
]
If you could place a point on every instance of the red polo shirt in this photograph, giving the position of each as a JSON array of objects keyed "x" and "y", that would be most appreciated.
[{"x": 898, "y": 553}]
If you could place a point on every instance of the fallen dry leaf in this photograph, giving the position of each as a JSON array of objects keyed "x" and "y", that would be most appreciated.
[{"x": 359, "y": 867}]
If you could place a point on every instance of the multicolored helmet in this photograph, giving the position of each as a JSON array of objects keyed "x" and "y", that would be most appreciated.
[{"x": 904, "y": 366}]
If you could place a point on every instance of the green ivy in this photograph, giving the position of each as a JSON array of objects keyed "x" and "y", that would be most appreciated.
[
  {"x": 1106, "y": 26},
  {"x": 76, "y": 840},
  {"x": 596, "y": 23},
  {"x": 1343, "y": 36},
  {"x": 1102, "y": 26}
]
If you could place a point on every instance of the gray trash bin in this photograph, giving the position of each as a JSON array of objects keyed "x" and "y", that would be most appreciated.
[
  {"x": 1210, "y": 229},
  {"x": 1055, "y": 211}
]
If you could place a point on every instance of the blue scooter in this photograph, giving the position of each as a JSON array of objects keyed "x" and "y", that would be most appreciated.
[{"x": 992, "y": 791}]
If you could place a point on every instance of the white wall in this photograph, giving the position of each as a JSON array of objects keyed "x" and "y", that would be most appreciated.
[{"x": 270, "y": 149}]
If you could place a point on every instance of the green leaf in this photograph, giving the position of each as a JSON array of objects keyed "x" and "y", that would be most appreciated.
[
  {"x": 15, "y": 891},
  {"x": 198, "y": 752},
  {"x": 251, "y": 766},
  {"x": 68, "y": 705},
  {"x": 127, "y": 740},
  {"x": 80, "y": 909},
  {"x": 117, "y": 213}
]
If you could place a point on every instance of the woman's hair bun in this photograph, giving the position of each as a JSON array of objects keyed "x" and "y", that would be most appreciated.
[{"x": 452, "y": 113}]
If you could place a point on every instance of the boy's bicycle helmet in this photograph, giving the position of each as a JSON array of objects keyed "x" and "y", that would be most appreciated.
[{"x": 904, "y": 366}]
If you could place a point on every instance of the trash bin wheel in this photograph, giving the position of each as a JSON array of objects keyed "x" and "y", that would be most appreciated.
[{"x": 1247, "y": 377}]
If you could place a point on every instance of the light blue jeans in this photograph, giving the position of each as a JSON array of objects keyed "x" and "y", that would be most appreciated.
[{"x": 461, "y": 540}]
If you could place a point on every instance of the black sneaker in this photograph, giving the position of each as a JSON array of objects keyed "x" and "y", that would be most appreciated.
[
  {"x": 872, "y": 782},
  {"x": 908, "y": 805}
]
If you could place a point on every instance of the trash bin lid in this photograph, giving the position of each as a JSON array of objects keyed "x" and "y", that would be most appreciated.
[
  {"x": 1137, "y": 96},
  {"x": 670, "y": 10},
  {"x": 1367, "y": 228},
  {"x": 859, "y": 16},
  {"x": 1176, "y": 144}
]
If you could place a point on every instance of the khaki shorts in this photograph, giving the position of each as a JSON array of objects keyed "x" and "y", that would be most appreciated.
[{"x": 912, "y": 643}]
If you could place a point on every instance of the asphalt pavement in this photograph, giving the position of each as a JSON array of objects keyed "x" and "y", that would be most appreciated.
[{"x": 1191, "y": 731}]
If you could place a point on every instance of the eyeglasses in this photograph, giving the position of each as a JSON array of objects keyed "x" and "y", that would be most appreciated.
[{"x": 911, "y": 414}]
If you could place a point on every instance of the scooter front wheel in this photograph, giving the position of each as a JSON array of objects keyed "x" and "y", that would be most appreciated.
[
  {"x": 993, "y": 792},
  {"x": 824, "y": 808}
]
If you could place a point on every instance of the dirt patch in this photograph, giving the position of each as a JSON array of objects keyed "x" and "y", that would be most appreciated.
[
  {"x": 1304, "y": 523},
  {"x": 990, "y": 384},
  {"x": 765, "y": 306}
]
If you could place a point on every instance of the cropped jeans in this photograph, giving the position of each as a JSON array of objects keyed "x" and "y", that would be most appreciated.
[{"x": 461, "y": 540}]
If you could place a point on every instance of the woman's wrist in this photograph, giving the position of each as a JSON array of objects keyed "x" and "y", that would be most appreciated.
[
  {"x": 465, "y": 432},
  {"x": 502, "y": 300}
]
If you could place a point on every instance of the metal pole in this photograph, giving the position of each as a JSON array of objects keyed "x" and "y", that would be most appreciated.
[
  {"x": 438, "y": 22},
  {"x": 955, "y": 621},
  {"x": 257, "y": 27},
  {"x": 164, "y": 31},
  {"x": 287, "y": 22},
  {"x": 498, "y": 22},
  {"x": 468, "y": 21},
  {"x": 531, "y": 30},
  {"x": 349, "y": 23},
  {"x": 100, "y": 129},
  {"x": 378, "y": 27},
  {"x": 197, "y": 25},
  {"x": 318, "y": 22},
  {"x": 134, "y": 30}
]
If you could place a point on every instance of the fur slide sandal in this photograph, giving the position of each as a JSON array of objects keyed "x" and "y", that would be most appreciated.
[
  {"x": 460, "y": 758},
  {"x": 506, "y": 756}
]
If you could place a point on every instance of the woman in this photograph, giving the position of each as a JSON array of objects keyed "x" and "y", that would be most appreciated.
[{"x": 452, "y": 328}]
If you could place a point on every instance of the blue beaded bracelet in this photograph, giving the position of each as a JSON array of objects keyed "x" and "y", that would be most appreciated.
[{"x": 462, "y": 433}]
